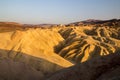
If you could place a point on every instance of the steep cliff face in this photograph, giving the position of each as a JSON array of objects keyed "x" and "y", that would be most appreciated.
[{"x": 83, "y": 43}]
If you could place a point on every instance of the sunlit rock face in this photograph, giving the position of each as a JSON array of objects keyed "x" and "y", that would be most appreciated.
[
  {"x": 82, "y": 43},
  {"x": 33, "y": 47},
  {"x": 44, "y": 51}
]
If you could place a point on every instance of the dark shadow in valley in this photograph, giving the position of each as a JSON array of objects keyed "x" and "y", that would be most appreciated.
[
  {"x": 30, "y": 63},
  {"x": 93, "y": 69}
]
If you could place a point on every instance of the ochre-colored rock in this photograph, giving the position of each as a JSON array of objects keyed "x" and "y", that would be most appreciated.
[
  {"x": 34, "y": 47},
  {"x": 82, "y": 43},
  {"x": 40, "y": 52}
]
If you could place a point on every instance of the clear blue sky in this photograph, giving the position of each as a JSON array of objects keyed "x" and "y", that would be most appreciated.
[{"x": 57, "y": 11}]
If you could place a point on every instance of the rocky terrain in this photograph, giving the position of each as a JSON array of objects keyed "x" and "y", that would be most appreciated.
[
  {"x": 98, "y": 68},
  {"x": 82, "y": 43},
  {"x": 86, "y": 50}
]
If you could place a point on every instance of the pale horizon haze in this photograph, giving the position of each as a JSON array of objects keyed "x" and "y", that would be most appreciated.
[{"x": 57, "y": 11}]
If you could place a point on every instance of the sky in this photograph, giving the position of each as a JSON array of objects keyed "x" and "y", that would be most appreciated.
[{"x": 57, "y": 11}]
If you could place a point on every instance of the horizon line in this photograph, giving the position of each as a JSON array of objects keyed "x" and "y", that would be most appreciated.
[{"x": 58, "y": 23}]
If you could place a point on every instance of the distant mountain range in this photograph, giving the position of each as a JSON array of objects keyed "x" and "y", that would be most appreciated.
[
  {"x": 80, "y": 23},
  {"x": 93, "y": 21}
]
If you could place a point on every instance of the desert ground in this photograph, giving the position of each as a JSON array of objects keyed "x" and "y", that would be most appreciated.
[{"x": 86, "y": 50}]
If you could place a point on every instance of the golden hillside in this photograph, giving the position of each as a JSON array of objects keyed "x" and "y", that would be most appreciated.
[
  {"x": 82, "y": 43},
  {"x": 44, "y": 51},
  {"x": 34, "y": 47}
]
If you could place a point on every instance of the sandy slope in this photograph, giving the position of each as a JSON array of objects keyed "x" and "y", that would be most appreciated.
[
  {"x": 34, "y": 47},
  {"x": 45, "y": 51}
]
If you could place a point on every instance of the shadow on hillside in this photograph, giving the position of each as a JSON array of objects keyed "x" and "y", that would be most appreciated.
[
  {"x": 59, "y": 47},
  {"x": 92, "y": 69},
  {"x": 38, "y": 64}
]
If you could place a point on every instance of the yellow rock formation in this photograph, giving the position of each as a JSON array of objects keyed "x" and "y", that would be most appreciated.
[{"x": 34, "y": 47}]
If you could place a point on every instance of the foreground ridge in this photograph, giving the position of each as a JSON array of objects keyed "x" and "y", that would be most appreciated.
[{"x": 99, "y": 68}]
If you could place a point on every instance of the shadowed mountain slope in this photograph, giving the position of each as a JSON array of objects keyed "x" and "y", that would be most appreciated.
[
  {"x": 24, "y": 67},
  {"x": 111, "y": 22},
  {"x": 99, "y": 68}
]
